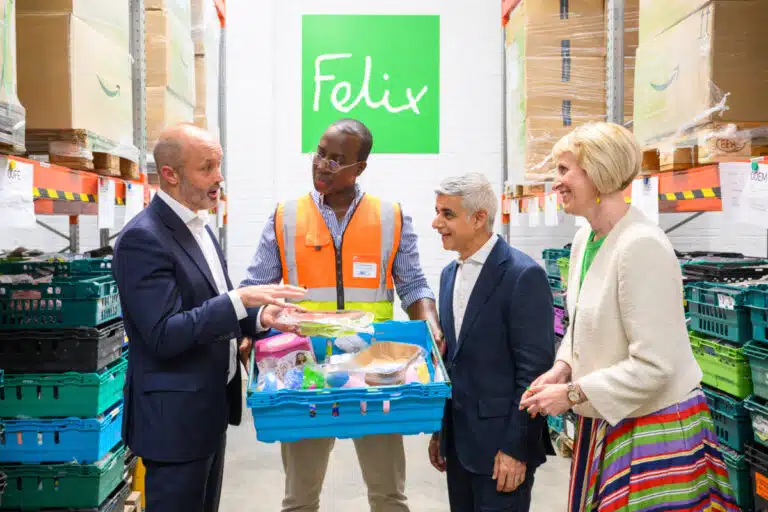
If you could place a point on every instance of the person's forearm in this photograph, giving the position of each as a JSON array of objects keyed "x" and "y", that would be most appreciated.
[{"x": 424, "y": 309}]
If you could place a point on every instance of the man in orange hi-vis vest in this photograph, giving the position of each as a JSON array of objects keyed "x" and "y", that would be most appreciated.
[{"x": 350, "y": 250}]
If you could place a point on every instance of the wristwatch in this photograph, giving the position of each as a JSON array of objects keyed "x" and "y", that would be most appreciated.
[{"x": 574, "y": 395}]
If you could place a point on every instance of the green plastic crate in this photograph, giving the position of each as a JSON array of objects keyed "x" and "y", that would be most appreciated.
[
  {"x": 758, "y": 361},
  {"x": 740, "y": 478},
  {"x": 65, "y": 302},
  {"x": 66, "y": 486},
  {"x": 61, "y": 267},
  {"x": 725, "y": 365},
  {"x": 55, "y": 395}
]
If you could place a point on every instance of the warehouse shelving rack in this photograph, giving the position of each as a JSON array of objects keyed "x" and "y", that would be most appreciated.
[
  {"x": 695, "y": 191},
  {"x": 62, "y": 191}
]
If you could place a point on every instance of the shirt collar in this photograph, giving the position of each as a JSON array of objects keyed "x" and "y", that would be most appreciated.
[
  {"x": 186, "y": 215},
  {"x": 320, "y": 198},
  {"x": 482, "y": 254}
]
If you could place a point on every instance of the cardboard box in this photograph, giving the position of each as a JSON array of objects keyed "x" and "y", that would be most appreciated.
[
  {"x": 578, "y": 82},
  {"x": 110, "y": 18},
  {"x": 181, "y": 9},
  {"x": 164, "y": 108},
  {"x": 200, "y": 85},
  {"x": 656, "y": 16},
  {"x": 683, "y": 77},
  {"x": 71, "y": 76},
  {"x": 11, "y": 112},
  {"x": 170, "y": 55},
  {"x": 553, "y": 27}
]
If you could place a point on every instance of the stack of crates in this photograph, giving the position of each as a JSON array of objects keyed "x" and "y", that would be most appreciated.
[
  {"x": 556, "y": 264},
  {"x": 61, "y": 344},
  {"x": 727, "y": 344}
]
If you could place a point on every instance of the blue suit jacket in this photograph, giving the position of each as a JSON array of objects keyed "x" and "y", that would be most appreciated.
[
  {"x": 506, "y": 341},
  {"x": 177, "y": 400}
]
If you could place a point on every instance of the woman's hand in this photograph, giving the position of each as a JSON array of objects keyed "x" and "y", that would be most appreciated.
[
  {"x": 547, "y": 400},
  {"x": 560, "y": 373}
]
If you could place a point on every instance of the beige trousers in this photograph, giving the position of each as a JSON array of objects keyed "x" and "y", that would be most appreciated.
[{"x": 382, "y": 461}]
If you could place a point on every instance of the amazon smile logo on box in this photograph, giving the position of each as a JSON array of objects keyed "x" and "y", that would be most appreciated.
[{"x": 381, "y": 69}]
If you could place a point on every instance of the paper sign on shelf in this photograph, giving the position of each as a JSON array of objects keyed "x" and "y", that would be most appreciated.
[
  {"x": 745, "y": 193},
  {"x": 17, "y": 204},
  {"x": 134, "y": 200},
  {"x": 550, "y": 210},
  {"x": 645, "y": 197},
  {"x": 221, "y": 212},
  {"x": 534, "y": 215},
  {"x": 106, "y": 204}
]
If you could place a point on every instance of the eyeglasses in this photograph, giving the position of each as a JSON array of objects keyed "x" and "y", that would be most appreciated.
[{"x": 333, "y": 165}]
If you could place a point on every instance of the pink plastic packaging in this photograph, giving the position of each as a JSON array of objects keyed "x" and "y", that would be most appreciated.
[{"x": 280, "y": 346}]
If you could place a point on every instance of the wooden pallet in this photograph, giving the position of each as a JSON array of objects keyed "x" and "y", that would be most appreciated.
[
  {"x": 81, "y": 150},
  {"x": 12, "y": 117},
  {"x": 706, "y": 145}
]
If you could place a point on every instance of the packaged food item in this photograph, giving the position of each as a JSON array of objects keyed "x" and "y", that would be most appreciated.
[
  {"x": 278, "y": 354},
  {"x": 329, "y": 324}
]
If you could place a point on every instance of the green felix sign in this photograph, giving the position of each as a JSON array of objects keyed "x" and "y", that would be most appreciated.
[{"x": 383, "y": 70}]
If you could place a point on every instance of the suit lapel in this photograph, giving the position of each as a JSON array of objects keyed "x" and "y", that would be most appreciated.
[
  {"x": 184, "y": 238},
  {"x": 446, "y": 308},
  {"x": 490, "y": 277},
  {"x": 220, "y": 254}
]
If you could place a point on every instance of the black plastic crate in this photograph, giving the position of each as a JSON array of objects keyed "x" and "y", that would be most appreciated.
[
  {"x": 757, "y": 457},
  {"x": 115, "y": 502},
  {"x": 726, "y": 270},
  {"x": 62, "y": 350}
]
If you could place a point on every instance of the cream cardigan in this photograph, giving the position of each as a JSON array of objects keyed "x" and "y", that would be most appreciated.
[{"x": 627, "y": 343}]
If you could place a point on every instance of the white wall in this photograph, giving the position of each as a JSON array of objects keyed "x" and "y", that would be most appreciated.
[{"x": 264, "y": 115}]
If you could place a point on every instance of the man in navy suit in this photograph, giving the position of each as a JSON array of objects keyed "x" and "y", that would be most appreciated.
[
  {"x": 497, "y": 317},
  {"x": 182, "y": 319}
]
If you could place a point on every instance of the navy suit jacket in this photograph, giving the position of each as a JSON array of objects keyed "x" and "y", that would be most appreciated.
[
  {"x": 177, "y": 400},
  {"x": 506, "y": 341}
]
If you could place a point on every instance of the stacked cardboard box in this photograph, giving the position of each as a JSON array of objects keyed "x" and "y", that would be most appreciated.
[
  {"x": 170, "y": 66},
  {"x": 12, "y": 113},
  {"x": 701, "y": 63},
  {"x": 556, "y": 74},
  {"x": 74, "y": 68},
  {"x": 206, "y": 33}
]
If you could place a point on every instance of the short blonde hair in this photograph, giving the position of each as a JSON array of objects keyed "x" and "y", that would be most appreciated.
[{"x": 609, "y": 153}]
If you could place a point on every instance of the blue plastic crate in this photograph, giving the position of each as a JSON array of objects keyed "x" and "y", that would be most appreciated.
[
  {"x": 35, "y": 441},
  {"x": 414, "y": 408}
]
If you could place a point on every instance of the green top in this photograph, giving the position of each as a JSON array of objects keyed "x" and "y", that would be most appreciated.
[{"x": 589, "y": 255}]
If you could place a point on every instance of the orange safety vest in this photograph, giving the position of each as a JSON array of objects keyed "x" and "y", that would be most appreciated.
[{"x": 359, "y": 274}]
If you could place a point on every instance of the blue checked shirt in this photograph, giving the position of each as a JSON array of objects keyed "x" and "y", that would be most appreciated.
[{"x": 410, "y": 283}]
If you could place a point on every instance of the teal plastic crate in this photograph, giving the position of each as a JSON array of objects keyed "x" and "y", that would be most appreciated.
[
  {"x": 759, "y": 319},
  {"x": 62, "y": 395},
  {"x": 732, "y": 421},
  {"x": 61, "y": 267},
  {"x": 731, "y": 325},
  {"x": 758, "y": 361},
  {"x": 64, "y": 302},
  {"x": 757, "y": 296},
  {"x": 725, "y": 365},
  {"x": 63, "y": 486},
  {"x": 556, "y": 423},
  {"x": 758, "y": 410},
  {"x": 550, "y": 257},
  {"x": 740, "y": 479}
]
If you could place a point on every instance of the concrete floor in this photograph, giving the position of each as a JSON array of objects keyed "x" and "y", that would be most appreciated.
[{"x": 253, "y": 479}]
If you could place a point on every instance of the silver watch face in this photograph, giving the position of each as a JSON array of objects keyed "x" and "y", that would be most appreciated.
[{"x": 573, "y": 396}]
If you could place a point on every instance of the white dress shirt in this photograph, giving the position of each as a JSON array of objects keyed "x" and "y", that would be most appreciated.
[
  {"x": 466, "y": 277},
  {"x": 196, "y": 223}
]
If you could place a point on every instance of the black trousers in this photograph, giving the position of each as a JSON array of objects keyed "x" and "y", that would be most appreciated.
[
  {"x": 185, "y": 486},
  {"x": 470, "y": 492}
]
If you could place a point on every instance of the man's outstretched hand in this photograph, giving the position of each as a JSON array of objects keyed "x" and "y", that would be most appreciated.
[{"x": 269, "y": 295}]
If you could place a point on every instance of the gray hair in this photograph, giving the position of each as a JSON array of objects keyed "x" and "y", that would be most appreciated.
[
  {"x": 475, "y": 191},
  {"x": 359, "y": 130}
]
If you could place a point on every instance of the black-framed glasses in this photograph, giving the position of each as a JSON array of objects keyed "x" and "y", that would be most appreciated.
[{"x": 333, "y": 165}]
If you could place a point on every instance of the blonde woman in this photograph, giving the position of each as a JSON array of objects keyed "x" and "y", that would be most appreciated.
[{"x": 645, "y": 439}]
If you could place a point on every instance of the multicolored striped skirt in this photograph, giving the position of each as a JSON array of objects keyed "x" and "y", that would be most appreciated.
[{"x": 666, "y": 461}]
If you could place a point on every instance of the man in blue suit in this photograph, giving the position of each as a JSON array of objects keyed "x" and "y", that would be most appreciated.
[
  {"x": 497, "y": 317},
  {"x": 182, "y": 319}
]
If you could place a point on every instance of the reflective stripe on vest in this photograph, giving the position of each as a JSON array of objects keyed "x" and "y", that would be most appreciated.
[{"x": 359, "y": 271}]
